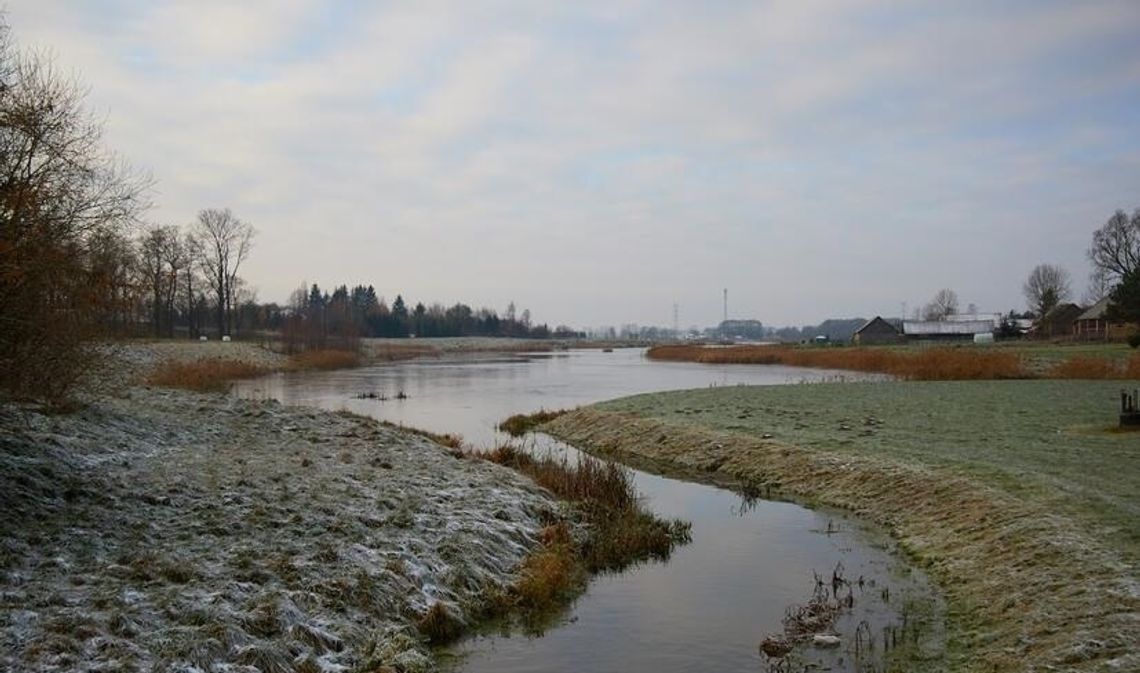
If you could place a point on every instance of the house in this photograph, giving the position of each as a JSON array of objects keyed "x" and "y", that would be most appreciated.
[
  {"x": 1058, "y": 322},
  {"x": 1092, "y": 325},
  {"x": 877, "y": 331},
  {"x": 946, "y": 330}
]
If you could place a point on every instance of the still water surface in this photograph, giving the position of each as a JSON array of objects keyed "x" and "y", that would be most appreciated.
[{"x": 709, "y": 606}]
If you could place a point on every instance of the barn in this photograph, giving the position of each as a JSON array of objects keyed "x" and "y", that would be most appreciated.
[{"x": 877, "y": 331}]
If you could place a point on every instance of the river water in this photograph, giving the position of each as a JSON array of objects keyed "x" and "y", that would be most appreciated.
[{"x": 706, "y": 608}]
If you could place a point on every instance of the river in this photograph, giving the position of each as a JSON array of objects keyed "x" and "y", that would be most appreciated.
[{"x": 706, "y": 608}]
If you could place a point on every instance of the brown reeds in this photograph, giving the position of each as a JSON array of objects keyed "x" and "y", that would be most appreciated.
[
  {"x": 324, "y": 359},
  {"x": 520, "y": 424},
  {"x": 932, "y": 364},
  {"x": 210, "y": 375},
  {"x": 619, "y": 531}
]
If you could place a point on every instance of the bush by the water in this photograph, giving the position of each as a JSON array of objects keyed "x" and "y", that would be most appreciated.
[{"x": 620, "y": 531}]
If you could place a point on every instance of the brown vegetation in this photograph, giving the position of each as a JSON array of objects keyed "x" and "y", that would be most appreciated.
[
  {"x": 325, "y": 359},
  {"x": 932, "y": 364},
  {"x": 520, "y": 424},
  {"x": 209, "y": 375},
  {"x": 619, "y": 531}
]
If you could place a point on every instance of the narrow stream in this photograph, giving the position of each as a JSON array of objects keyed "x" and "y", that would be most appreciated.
[{"x": 712, "y": 603}]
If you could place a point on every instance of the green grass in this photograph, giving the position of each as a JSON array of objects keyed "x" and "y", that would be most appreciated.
[{"x": 1052, "y": 442}]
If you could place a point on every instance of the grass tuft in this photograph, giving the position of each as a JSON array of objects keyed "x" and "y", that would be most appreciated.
[
  {"x": 520, "y": 424},
  {"x": 439, "y": 625},
  {"x": 620, "y": 532}
]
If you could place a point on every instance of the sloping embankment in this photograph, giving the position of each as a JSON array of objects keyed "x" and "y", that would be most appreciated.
[
  {"x": 169, "y": 531},
  {"x": 1028, "y": 589}
]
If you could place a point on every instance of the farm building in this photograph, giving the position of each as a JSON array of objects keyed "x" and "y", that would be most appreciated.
[
  {"x": 1092, "y": 325},
  {"x": 1057, "y": 322},
  {"x": 946, "y": 330},
  {"x": 877, "y": 331}
]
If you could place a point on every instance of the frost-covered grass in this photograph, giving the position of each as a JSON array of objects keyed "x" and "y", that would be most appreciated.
[
  {"x": 165, "y": 530},
  {"x": 1019, "y": 497},
  {"x": 1052, "y": 441}
]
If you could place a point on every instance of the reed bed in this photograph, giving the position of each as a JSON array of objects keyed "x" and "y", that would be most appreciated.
[
  {"x": 932, "y": 364},
  {"x": 208, "y": 375},
  {"x": 324, "y": 359}
]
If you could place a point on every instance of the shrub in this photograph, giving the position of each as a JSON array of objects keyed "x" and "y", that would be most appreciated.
[{"x": 1134, "y": 340}]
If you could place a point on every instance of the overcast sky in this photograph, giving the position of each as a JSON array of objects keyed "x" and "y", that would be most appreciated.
[{"x": 597, "y": 162}]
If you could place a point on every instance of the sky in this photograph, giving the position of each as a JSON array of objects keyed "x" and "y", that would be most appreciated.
[{"x": 601, "y": 162}]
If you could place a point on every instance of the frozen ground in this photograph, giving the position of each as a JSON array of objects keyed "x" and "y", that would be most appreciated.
[{"x": 164, "y": 530}]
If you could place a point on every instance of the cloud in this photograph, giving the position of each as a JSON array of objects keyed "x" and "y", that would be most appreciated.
[{"x": 598, "y": 161}]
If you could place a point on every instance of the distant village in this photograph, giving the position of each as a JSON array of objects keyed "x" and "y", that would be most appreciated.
[{"x": 1066, "y": 321}]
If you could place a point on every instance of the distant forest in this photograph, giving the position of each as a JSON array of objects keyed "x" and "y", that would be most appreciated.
[{"x": 317, "y": 319}]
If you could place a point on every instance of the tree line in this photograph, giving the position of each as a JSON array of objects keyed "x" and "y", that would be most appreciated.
[{"x": 315, "y": 318}]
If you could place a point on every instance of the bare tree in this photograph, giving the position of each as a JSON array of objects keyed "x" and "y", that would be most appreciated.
[
  {"x": 1047, "y": 286},
  {"x": 224, "y": 242},
  {"x": 1098, "y": 288},
  {"x": 943, "y": 305},
  {"x": 1115, "y": 248},
  {"x": 63, "y": 198},
  {"x": 162, "y": 258}
]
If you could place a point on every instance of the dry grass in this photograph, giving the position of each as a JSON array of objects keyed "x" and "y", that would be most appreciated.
[
  {"x": 620, "y": 532},
  {"x": 324, "y": 359},
  {"x": 552, "y": 575},
  {"x": 520, "y": 424},
  {"x": 439, "y": 625},
  {"x": 929, "y": 364},
  {"x": 210, "y": 375}
]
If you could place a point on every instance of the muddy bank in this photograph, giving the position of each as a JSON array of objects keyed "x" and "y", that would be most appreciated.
[
  {"x": 165, "y": 530},
  {"x": 1028, "y": 590}
]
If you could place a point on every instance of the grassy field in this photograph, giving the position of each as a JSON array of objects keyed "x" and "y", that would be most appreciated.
[
  {"x": 1050, "y": 441},
  {"x": 1020, "y": 497}
]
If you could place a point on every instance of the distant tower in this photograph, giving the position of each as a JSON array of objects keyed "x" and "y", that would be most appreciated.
[
  {"x": 676, "y": 323},
  {"x": 726, "y": 304}
]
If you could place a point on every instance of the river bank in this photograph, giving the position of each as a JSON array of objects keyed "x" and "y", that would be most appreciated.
[
  {"x": 169, "y": 530},
  {"x": 1039, "y": 569}
]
